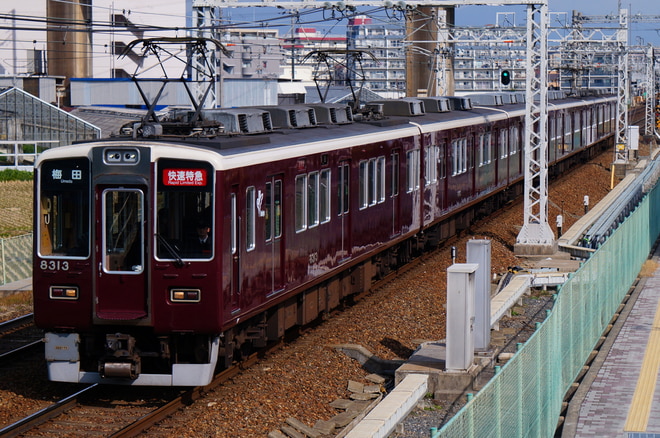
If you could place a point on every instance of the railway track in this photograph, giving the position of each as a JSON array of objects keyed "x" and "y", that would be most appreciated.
[
  {"x": 18, "y": 336},
  {"x": 94, "y": 411},
  {"x": 166, "y": 407}
]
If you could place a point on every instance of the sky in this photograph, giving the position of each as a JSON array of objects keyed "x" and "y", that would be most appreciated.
[{"x": 641, "y": 33}]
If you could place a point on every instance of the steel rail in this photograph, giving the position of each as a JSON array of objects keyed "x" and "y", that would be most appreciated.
[
  {"x": 16, "y": 322},
  {"x": 45, "y": 414},
  {"x": 185, "y": 399},
  {"x": 22, "y": 349}
]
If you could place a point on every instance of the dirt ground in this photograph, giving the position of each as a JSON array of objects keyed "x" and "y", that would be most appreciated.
[{"x": 15, "y": 208}]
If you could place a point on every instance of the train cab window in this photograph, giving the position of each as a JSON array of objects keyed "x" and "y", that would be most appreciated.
[
  {"x": 123, "y": 230},
  {"x": 64, "y": 200},
  {"x": 185, "y": 205}
]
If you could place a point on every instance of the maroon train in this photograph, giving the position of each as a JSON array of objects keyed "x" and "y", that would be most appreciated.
[{"x": 297, "y": 219}]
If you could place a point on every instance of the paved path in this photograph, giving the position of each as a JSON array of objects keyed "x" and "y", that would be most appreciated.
[{"x": 621, "y": 396}]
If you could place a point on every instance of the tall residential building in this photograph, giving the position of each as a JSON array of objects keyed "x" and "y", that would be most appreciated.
[{"x": 387, "y": 73}]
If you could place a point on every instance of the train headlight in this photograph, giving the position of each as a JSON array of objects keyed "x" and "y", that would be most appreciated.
[
  {"x": 121, "y": 156},
  {"x": 185, "y": 295},
  {"x": 64, "y": 293}
]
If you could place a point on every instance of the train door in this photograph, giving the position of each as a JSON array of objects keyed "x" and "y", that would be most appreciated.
[
  {"x": 396, "y": 199},
  {"x": 343, "y": 192},
  {"x": 235, "y": 250},
  {"x": 274, "y": 231},
  {"x": 121, "y": 258}
]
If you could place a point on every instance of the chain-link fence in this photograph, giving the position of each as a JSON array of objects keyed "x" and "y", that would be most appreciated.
[
  {"x": 15, "y": 258},
  {"x": 524, "y": 399}
]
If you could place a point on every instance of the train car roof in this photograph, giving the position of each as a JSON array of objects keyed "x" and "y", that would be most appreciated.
[{"x": 227, "y": 152}]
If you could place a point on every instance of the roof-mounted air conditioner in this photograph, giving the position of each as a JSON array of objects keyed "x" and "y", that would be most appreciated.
[
  {"x": 291, "y": 116},
  {"x": 332, "y": 114},
  {"x": 241, "y": 120},
  {"x": 407, "y": 106}
]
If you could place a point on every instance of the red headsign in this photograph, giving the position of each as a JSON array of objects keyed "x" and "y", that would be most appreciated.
[{"x": 184, "y": 177}]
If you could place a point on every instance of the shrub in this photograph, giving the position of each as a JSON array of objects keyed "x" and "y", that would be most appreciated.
[{"x": 16, "y": 175}]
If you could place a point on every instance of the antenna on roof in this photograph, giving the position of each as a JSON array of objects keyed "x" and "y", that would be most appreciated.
[
  {"x": 183, "y": 49},
  {"x": 340, "y": 67}
]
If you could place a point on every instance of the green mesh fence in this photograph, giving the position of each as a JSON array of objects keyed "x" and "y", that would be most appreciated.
[
  {"x": 15, "y": 258},
  {"x": 524, "y": 399}
]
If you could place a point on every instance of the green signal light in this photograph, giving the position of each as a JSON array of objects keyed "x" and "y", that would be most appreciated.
[{"x": 505, "y": 77}]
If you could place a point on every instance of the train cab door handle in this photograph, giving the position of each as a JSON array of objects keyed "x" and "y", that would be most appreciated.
[{"x": 100, "y": 269}]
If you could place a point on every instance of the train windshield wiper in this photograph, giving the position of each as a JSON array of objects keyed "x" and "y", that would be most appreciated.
[{"x": 178, "y": 261}]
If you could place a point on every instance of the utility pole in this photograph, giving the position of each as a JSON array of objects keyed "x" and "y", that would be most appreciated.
[{"x": 535, "y": 237}]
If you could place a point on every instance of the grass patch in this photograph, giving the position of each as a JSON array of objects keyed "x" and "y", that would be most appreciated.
[
  {"x": 15, "y": 305},
  {"x": 19, "y": 298},
  {"x": 16, "y": 175}
]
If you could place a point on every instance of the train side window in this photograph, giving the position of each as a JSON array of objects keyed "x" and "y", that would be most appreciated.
[
  {"x": 362, "y": 194},
  {"x": 343, "y": 189},
  {"x": 312, "y": 199},
  {"x": 442, "y": 162},
  {"x": 268, "y": 202},
  {"x": 380, "y": 180},
  {"x": 504, "y": 143},
  {"x": 412, "y": 170},
  {"x": 273, "y": 210},
  {"x": 395, "y": 174},
  {"x": 371, "y": 182},
  {"x": 459, "y": 156},
  {"x": 577, "y": 140},
  {"x": 301, "y": 203},
  {"x": 514, "y": 139},
  {"x": 485, "y": 149},
  {"x": 234, "y": 224},
  {"x": 278, "y": 208},
  {"x": 324, "y": 196},
  {"x": 250, "y": 206}
]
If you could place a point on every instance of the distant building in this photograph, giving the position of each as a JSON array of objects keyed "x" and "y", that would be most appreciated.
[{"x": 387, "y": 73}]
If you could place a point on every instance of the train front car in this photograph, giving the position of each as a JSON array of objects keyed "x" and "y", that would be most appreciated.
[{"x": 125, "y": 264}]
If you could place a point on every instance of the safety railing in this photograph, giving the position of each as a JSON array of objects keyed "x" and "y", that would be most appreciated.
[
  {"x": 525, "y": 398},
  {"x": 22, "y": 155},
  {"x": 15, "y": 258}
]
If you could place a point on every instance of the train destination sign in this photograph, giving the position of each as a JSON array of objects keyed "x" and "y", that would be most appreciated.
[
  {"x": 72, "y": 173},
  {"x": 184, "y": 177}
]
